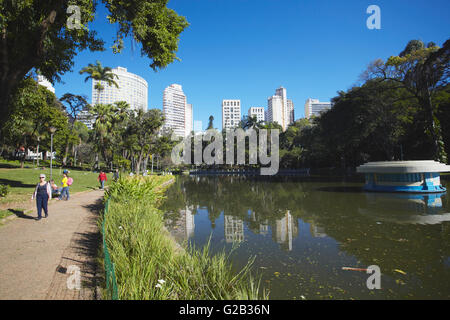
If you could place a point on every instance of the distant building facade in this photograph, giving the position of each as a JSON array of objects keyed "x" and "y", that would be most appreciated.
[
  {"x": 257, "y": 112},
  {"x": 231, "y": 113},
  {"x": 132, "y": 88},
  {"x": 313, "y": 107},
  {"x": 280, "y": 109},
  {"x": 178, "y": 113}
]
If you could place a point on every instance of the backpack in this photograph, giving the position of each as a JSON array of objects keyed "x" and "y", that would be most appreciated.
[{"x": 69, "y": 181}]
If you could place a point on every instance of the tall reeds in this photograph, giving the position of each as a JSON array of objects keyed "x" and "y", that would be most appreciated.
[{"x": 148, "y": 262}]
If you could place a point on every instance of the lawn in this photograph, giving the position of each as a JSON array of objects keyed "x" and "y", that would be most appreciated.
[{"x": 23, "y": 181}]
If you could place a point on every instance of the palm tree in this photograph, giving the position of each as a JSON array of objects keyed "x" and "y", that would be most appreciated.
[
  {"x": 97, "y": 72},
  {"x": 103, "y": 124}
]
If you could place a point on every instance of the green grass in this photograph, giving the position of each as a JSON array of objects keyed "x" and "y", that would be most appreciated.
[
  {"x": 23, "y": 181},
  {"x": 143, "y": 252}
]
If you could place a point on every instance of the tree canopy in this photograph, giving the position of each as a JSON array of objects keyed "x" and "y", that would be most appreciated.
[{"x": 35, "y": 35}]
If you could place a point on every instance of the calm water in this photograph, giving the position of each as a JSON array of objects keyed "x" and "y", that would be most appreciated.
[{"x": 304, "y": 231}]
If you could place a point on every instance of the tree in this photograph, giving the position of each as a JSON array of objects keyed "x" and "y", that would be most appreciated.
[
  {"x": 141, "y": 133},
  {"x": 35, "y": 35},
  {"x": 422, "y": 72},
  {"x": 35, "y": 110},
  {"x": 101, "y": 74},
  {"x": 104, "y": 118},
  {"x": 210, "y": 123},
  {"x": 75, "y": 104}
]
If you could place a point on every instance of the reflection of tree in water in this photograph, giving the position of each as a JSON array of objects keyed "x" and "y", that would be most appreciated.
[{"x": 415, "y": 249}]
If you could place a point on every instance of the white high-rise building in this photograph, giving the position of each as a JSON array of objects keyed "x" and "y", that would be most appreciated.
[
  {"x": 189, "y": 121},
  {"x": 313, "y": 107},
  {"x": 43, "y": 81},
  {"x": 177, "y": 112},
  {"x": 231, "y": 113},
  {"x": 257, "y": 112},
  {"x": 132, "y": 89},
  {"x": 280, "y": 108},
  {"x": 87, "y": 118}
]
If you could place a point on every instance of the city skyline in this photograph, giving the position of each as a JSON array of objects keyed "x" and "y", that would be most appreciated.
[{"x": 318, "y": 61}]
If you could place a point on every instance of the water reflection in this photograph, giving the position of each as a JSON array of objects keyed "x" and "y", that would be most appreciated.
[
  {"x": 405, "y": 208},
  {"x": 303, "y": 232}
]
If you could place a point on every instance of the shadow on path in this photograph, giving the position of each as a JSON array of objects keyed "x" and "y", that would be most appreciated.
[{"x": 20, "y": 214}]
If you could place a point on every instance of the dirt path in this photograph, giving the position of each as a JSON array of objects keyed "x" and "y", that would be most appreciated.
[{"x": 38, "y": 257}]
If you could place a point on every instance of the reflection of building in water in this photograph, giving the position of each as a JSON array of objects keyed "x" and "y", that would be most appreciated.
[
  {"x": 263, "y": 226},
  {"x": 285, "y": 230},
  {"x": 234, "y": 229},
  {"x": 317, "y": 231},
  {"x": 184, "y": 226}
]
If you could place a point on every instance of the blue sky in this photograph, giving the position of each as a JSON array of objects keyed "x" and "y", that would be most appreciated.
[{"x": 245, "y": 49}]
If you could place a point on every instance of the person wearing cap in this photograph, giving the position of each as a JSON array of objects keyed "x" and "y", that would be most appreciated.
[{"x": 42, "y": 193}]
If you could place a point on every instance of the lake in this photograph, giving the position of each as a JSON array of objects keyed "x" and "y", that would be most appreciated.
[{"x": 302, "y": 232}]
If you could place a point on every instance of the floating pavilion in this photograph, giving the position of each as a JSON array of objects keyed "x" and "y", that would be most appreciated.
[{"x": 404, "y": 176}]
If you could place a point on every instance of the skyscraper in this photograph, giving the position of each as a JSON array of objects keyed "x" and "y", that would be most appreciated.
[
  {"x": 231, "y": 113},
  {"x": 280, "y": 108},
  {"x": 132, "y": 89},
  {"x": 313, "y": 107},
  {"x": 177, "y": 112}
]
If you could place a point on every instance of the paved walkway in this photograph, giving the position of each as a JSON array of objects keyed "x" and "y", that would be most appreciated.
[{"x": 37, "y": 258}]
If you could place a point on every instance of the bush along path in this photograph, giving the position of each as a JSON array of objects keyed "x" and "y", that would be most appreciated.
[
  {"x": 54, "y": 258},
  {"x": 148, "y": 262}
]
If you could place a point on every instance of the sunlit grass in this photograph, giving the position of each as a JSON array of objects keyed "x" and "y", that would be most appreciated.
[{"x": 149, "y": 264}]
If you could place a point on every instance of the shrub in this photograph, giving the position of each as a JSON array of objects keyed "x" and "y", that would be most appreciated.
[{"x": 4, "y": 190}]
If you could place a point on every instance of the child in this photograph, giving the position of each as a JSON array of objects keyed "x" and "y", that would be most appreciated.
[{"x": 102, "y": 178}]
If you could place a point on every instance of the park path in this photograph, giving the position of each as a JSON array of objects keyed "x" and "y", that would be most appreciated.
[{"x": 38, "y": 257}]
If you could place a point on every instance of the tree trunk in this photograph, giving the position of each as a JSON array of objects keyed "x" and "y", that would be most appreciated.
[
  {"x": 435, "y": 130},
  {"x": 37, "y": 153},
  {"x": 138, "y": 164}
]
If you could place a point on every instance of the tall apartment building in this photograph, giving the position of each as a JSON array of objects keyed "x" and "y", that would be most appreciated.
[
  {"x": 132, "y": 89},
  {"x": 177, "y": 112},
  {"x": 231, "y": 113},
  {"x": 313, "y": 107},
  {"x": 280, "y": 108},
  {"x": 257, "y": 112}
]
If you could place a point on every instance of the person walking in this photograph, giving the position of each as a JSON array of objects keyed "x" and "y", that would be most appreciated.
[
  {"x": 65, "y": 186},
  {"x": 102, "y": 178},
  {"x": 42, "y": 193},
  {"x": 116, "y": 175}
]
